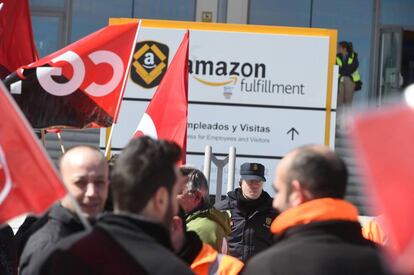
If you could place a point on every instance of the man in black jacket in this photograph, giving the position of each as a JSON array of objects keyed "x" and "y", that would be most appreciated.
[
  {"x": 134, "y": 239},
  {"x": 318, "y": 232},
  {"x": 85, "y": 173},
  {"x": 251, "y": 213}
]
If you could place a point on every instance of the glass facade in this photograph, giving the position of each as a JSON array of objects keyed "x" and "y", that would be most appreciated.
[
  {"x": 183, "y": 10},
  {"x": 352, "y": 18},
  {"x": 397, "y": 12},
  {"x": 48, "y": 4},
  {"x": 46, "y": 33},
  {"x": 280, "y": 12},
  {"x": 90, "y": 15},
  {"x": 51, "y": 18},
  {"x": 48, "y": 21}
]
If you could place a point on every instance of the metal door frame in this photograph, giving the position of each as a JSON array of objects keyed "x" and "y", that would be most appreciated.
[{"x": 384, "y": 30}]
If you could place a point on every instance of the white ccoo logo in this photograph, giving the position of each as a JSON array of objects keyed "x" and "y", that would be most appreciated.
[{"x": 45, "y": 74}]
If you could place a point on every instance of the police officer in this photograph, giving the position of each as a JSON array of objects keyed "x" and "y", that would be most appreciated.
[{"x": 251, "y": 213}]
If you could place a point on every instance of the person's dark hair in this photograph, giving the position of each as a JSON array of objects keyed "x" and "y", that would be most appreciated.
[
  {"x": 109, "y": 204},
  {"x": 143, "y": 166},
  {"x": 197, "y": 182},
  {"x": 322, "y": 174},
  {"x": 111, "y": 162},
  {"x": 343, "y": 44}
]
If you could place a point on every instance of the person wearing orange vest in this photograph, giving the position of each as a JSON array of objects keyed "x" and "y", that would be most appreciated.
[
  {"x": 201, "y": 257},
  {"x": 317, "y": 230}
]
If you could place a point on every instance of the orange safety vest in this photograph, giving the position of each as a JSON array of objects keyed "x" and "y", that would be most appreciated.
[{"x": 210, "y": 262}]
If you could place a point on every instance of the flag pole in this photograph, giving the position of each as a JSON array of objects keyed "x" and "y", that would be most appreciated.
[
  {"x": 43, "y": 136},
  {"x": 62, "y": 148},
  {"x": 109, "y": 141},
  {"x": 111, "y": 130}
]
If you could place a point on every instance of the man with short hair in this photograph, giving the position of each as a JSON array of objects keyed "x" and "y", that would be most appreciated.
[
  {"x": 84, "y": 170},
  {"x": 318, "y": 231},
  {"x": 211, "y": 225},
  {"x": 251, "y": 213},
  {"x": 135, "y": 238}
]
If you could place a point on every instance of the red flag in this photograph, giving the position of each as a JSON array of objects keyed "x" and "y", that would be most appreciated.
[
  {"x": 384, "y": 146},
  {"x": 16, "y": 38},
  {"x": 166, "y": 115},
  {"x": 28, "y": 180},
  {"x": 80, "y": 85}
]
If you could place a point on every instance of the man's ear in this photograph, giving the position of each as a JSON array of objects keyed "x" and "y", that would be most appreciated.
[
  {"x": 160, "y": 201},
  {"x": 298, "y": 194}
]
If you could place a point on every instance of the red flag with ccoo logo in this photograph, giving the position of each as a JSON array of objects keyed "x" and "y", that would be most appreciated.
[
  {"x": 80, "y": 85},
  {"x": 166, "y": 115},
  {"x": 28, "y": 180}
]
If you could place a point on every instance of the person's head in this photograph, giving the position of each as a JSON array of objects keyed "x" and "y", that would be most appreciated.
[
  {"x": 145, "y": 179},
  {"x": 178, "y": 229},
  {"x": 195, "y": 192},
  {"x": 251, "y": 180},
  {"x": 343, "y": 47},
  {"x": 308, "y": 173},
  {"x": 84, "y": 171}
]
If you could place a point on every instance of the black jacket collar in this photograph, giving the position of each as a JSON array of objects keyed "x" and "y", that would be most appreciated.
[
  {"x": 64, "y": 216},
  {"x": 347, "y": 231},
  {"x": 262, "y": 204},
  {"x": 127, "y": 224},
  {"x": 191, "y": 248}
]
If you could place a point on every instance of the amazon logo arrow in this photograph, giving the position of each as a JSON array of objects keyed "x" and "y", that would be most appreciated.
[
  {"x": 233, "y": 79},
  {"x": 292, "y": 131}
]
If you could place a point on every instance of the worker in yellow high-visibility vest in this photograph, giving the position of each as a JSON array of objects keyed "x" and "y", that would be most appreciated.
[{"x": 349, "y": 77}]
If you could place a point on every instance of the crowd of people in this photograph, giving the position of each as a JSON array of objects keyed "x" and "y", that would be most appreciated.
[{"x": 162, "y": 221}]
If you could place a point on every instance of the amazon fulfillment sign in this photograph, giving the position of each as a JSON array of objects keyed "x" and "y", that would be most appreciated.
[{"x": 265, "y": 90}]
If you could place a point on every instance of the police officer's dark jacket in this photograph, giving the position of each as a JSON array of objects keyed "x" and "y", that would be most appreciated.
[
  {"x": 250, "y": 223},
  {"x": 325, "y": 240},
  {"x": 60, "y": 223},
  {"x": 118, "y": 244}
]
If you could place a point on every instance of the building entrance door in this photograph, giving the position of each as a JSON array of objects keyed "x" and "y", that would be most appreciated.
[
  {"x": 390, "y": 78},
  {"x": 396, "y": 62}
]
